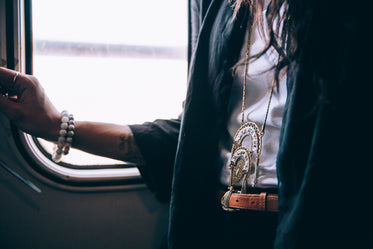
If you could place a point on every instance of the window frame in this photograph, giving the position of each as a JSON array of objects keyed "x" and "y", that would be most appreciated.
[
  {"x": 19, "y": 46},
  {"x": 74, "y": 174}
]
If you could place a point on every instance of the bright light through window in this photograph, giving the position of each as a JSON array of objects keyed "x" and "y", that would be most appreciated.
[{"x": 116, "y": 61}]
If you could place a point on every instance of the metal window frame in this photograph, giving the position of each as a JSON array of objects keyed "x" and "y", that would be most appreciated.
[{"x": 16, "y": 53}]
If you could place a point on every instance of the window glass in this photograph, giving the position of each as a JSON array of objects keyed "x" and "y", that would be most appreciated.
[{"x": 117, "y": 61}]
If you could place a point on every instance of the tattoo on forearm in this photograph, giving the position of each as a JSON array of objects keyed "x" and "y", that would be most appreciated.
[
  {"x": 128, "y": 146},
  {"x": 123, "y": 142},
  {"x": 126, "y": 143}
]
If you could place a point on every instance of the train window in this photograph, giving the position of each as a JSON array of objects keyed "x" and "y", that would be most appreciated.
[{"x": 111, "y": 61}]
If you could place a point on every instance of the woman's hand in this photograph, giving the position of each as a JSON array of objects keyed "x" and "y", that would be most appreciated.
[{"x": 27, "y": 106}]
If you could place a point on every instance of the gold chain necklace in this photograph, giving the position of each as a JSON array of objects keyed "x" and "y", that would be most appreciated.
[{"x": 241, "y": 162}]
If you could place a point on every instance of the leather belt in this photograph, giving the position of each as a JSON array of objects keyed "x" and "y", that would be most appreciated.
[{"x": 258, "y": 202}]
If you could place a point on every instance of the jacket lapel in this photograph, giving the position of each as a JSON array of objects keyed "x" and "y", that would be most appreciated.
[{"x": 195, "y": 179}]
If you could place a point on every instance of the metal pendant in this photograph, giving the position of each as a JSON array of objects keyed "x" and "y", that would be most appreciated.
[
  {"x": 242, "y": 156},
  {"x": 240, "y": 164},
  {"x": 242, "y": 160}
]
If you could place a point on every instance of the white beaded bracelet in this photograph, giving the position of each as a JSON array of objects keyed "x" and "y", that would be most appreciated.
[{"x": 65, "y": 136}]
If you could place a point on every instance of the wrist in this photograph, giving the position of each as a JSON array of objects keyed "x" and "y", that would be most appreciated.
[
  {"x": 55, "y": 130},
  {"x": 52, "y": 131}
]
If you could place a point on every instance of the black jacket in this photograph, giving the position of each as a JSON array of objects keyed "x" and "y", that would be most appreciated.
[{"x": 322, "y": 162}]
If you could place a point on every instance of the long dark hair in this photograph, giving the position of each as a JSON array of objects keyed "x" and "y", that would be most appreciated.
[{"x": 321, "y": 38}]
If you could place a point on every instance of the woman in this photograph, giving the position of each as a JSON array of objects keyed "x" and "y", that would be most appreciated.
[{"x": 318, "y": 45}]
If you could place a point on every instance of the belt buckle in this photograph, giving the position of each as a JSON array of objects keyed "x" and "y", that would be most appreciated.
[{"x": 225, "y": 201}]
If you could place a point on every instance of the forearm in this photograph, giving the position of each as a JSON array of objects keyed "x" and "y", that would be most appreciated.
[{"x": 109, "y": 140}]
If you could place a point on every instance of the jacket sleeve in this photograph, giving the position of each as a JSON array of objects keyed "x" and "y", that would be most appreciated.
[{"x": 157, "y": 142}]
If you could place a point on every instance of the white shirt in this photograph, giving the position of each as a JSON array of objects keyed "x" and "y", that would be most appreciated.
[{"x": 258, "y": 88}]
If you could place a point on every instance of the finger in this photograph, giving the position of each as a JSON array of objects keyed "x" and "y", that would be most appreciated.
[{"x": 8, "y": 78}]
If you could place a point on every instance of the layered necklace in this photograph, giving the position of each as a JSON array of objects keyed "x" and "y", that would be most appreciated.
[{"x": 244, "y": 161}]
